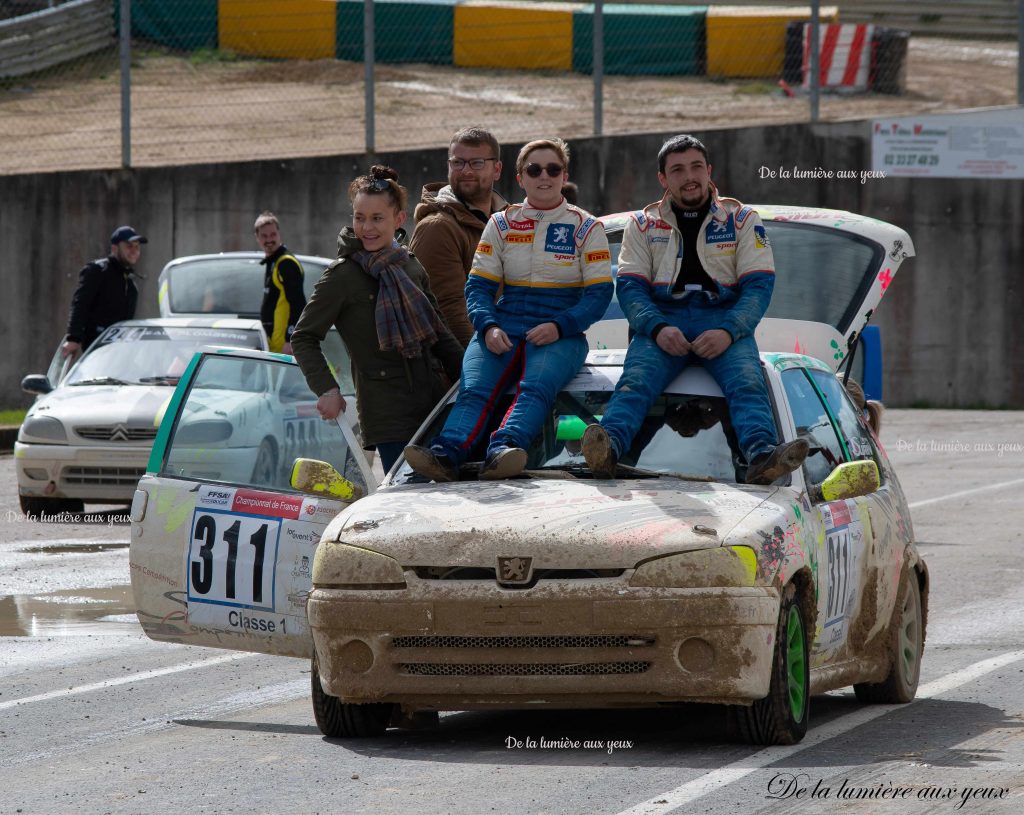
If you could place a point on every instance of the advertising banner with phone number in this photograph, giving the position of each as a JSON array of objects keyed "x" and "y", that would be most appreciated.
[{"x": 978, "y": 144}]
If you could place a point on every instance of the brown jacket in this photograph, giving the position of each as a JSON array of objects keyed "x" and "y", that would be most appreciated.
[
  {"x": 393, "y": 395},
  {"x": 444, "y": 242}
]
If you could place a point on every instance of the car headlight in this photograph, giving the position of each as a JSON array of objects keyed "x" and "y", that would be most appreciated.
[
  {"x": 704, "y": 568},
  {"x": 43, "y": 427},
  {"x": 204, "y": 431},
  {"x": 340, "y": 566}
]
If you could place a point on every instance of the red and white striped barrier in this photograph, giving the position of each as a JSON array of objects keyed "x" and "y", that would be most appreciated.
[{"x": 845, "y": 59}]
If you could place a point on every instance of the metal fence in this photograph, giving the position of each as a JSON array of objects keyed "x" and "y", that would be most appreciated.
[{"x": 96, "y": 83}]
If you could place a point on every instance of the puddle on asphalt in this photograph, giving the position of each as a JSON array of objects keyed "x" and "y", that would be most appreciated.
[
  {"x": 73, "y": 548},
  {"x": 69, "y": 613}
]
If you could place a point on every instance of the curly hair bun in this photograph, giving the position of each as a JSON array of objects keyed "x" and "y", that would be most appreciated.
[{"x": 383, "y": 171}]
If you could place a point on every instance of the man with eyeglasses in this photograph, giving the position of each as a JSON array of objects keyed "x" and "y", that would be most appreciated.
[
  {"x": 696, "y": 274},
  {"x": 450, "y": 219}
]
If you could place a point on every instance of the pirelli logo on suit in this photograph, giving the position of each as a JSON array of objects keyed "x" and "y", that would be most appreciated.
[
  {"x": 528, "y": 238},
  {"x": 484, "y": 248},
  {"x": 598, "y": 256}
]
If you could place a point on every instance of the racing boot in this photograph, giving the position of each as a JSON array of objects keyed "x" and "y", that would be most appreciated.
[
  {"x": 507, "y": 462},
  {"x": 431, "y": 463},
  {"x": 769, "y": 467},
  {"x": 599, "y": 452}
]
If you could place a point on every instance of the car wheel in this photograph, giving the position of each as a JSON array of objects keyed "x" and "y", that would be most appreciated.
[
  {"x": 781, "y": 717},
  {"x": 339, "y": 720},
  {"x": 906, "y": 645},
  {"x": 264, "y": 471},
  {"x": 35, "y": 506}
]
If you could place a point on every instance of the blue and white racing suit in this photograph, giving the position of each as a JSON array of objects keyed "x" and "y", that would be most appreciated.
[
  {"x": 550, "y": 266},
  {"x": 734, "y": 250}
]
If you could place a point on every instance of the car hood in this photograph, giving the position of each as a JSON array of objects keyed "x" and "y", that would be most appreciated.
[
  {"x": 129, "y": 405},
  {"x": 560, "y": 524}
]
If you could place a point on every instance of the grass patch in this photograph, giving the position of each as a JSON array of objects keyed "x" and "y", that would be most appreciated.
[
  {"x": 204, "y": 56},
  {"x": 752, "y": 88},
  {"x": 12, "y": 416}
]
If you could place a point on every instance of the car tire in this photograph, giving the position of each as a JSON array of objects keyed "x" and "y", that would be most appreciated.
[
  {"x": 35, "y": 506},
  {"x": 905, "y": 647},
  {"x": 264, "y": 471},
  {"x": 781, "y": 717},
  {"x": 339, "y": 720}
]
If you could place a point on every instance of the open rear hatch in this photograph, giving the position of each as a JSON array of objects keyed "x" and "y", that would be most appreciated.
[{"x": 831, "y": 270}]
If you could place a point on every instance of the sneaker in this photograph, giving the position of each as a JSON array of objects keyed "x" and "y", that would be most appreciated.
[
  {"x": 506, "y": 463},
  {"x": 598, "y": 452},
  {"x": 769, "y": 467},
  {"x": 431, "y": 464}
]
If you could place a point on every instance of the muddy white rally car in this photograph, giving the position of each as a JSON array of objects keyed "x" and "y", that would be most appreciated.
[{"x": 673, "y": 582}]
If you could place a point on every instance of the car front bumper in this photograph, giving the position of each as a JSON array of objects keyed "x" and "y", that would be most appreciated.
[
  {"x": 584, "y": 643},
  {"x": 94, "y": 473}
]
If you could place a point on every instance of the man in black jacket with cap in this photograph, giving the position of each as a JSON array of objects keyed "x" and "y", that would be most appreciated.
[{"x": 106, "y": 293}]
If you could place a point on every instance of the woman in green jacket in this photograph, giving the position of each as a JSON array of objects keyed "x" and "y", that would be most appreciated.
[{"x": 376, "y": 294}]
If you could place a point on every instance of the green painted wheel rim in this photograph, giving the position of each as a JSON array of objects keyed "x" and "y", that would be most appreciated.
[
  {"x": 910, "y": 636},
  {"x": 796, "y": 664}
]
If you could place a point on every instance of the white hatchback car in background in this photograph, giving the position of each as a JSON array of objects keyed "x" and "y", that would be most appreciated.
[
  {"x": 88, "y": 435},
  {"x": 231, "y": 283}
]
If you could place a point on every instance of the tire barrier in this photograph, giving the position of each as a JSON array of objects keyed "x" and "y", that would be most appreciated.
[
  {"x": 750, "y": 41},
  {"x": 672, "y": 36},
  {"x": 495, "y": 34},
  {"x": 882, "y": 52},
  {"x": 639, "y": 39},
  {"x": 845, "y": 56}
]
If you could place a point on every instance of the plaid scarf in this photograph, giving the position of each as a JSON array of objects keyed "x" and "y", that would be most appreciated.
[{"x": 406, "y": 322}]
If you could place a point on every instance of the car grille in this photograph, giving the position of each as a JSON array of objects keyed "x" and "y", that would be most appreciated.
[
  {"x": 533, "y": 641},
  {"x": 553, "y": 641},
  {"x": 115, "y": 432},
  {"x": 523, "y": 669},
  {"x": 484, "y": 573},
  {"x": 103, "y": 476}
]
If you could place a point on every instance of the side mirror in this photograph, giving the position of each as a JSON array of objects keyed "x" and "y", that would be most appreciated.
[
  {"x": 851, "y": 480},
  {"x": 320, "y": 478},
  {"x": 36, "y": 384}
]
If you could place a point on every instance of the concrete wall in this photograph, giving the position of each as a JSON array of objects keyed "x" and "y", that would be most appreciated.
[{"x": 951, "y": 319}]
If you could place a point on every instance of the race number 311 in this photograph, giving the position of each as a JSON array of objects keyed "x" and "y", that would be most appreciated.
[{"x": 231, "y": 560}]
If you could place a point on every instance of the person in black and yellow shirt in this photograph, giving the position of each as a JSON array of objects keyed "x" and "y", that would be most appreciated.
[{"x": 283, "y": 298}]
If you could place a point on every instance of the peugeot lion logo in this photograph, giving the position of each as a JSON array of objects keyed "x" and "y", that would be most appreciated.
[{"x": 514, "y": 571}]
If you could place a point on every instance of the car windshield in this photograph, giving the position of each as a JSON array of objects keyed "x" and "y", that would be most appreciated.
[
  {"x": 226, "y": 285},
  {"x": 151, "y": 355},
  {"x": 234, "y": 285},
  {"x": 244, "y": 421},
  {"x": 684, "y": 433},
  {"x": 821, "y": 274}
]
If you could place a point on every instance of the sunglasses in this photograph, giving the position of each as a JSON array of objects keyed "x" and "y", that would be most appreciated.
[
  {"x": 380, "y": 184},
  {"x": 535, "y": 170}
]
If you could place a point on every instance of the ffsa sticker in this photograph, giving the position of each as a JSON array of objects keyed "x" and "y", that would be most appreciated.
[{"x": 231, "y": 559}]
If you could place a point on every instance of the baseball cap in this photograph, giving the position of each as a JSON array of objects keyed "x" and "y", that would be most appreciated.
[{"x": 126, "y": 233}]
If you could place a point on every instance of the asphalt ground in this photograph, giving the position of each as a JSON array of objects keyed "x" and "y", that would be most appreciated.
[{"x": 96, "y": 718}]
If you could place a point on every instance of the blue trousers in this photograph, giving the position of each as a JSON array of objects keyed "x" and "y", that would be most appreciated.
[
  {"x": 541, "y": 371},
  {"x": 648, "y": 370},
  {"x": 389, "y": 451}
]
